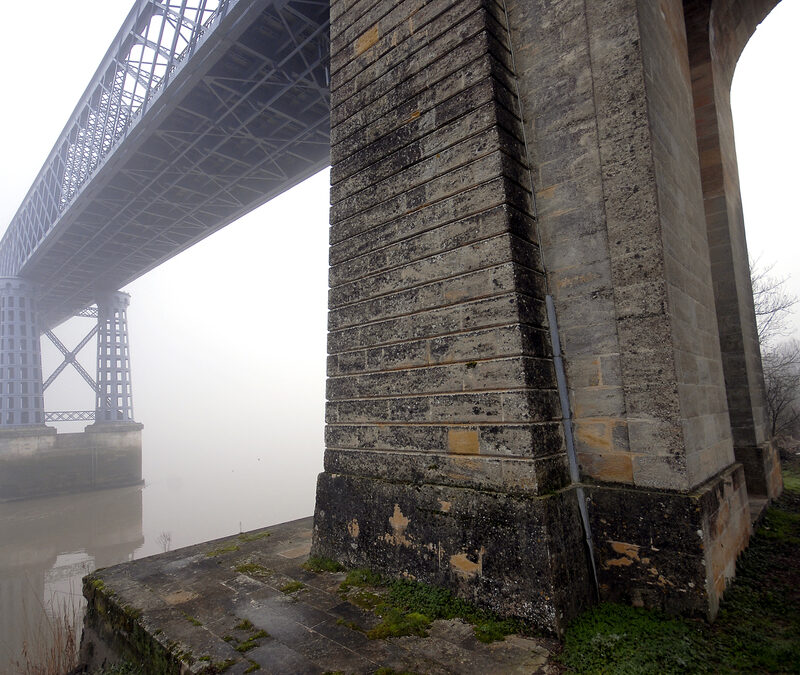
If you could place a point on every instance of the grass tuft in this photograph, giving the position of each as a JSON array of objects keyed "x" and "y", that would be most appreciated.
[
  {"x": 222, "y": 550},
  {"x": 292, "y": 587},
  {"x": 253, "y": 570},
  {"x": 247, "y": 537},
  {"x": 319, "y": 564}
]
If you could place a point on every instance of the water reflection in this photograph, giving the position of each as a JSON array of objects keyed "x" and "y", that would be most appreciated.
[{"x": 47, "y": 546}]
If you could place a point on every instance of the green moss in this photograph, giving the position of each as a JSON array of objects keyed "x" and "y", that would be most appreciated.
[
  {"x": 253, "y": 667},
  {"x": 245, "y": 646},
  {"x": 396, "y": 623},
  {"x": 131, "y": 612},
  {"x": 192, "y": 620},
  {"x": 292, "y": 587},
  {"x": 229, "y": 638},
  {"x": 781, "y": 526},
  {"x": 206, "y": 657},
  {"x": 318, "y": 564},
  {"x": 244, "y": 624},
  {"x": 222, "y": 550},
  {"x": 365, "y": 599},
  {"x": 352, "y": 625},
  {"x": 439, "y": 603},
  {"x": 219, "y": 666},
  {"x": 124, "y": 668},
  {"x": 253, "y": 570},
  {"x": 255, "y": 536},
  {"x": 359, "y": 578}
]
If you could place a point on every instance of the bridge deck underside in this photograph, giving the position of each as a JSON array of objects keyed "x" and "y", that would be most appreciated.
[{"x": 254, "y": 123}]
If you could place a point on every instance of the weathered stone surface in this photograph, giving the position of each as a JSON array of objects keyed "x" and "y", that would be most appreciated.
[{"x": 181, "y": 612}]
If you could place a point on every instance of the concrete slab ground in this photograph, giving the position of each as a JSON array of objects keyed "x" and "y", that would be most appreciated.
[{"x": 187, "y": 611}]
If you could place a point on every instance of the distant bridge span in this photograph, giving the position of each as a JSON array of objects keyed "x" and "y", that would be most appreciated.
[{"x": 200, "y": 111}]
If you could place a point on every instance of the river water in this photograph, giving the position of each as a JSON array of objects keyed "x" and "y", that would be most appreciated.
[{"x": 48, "y": 545}]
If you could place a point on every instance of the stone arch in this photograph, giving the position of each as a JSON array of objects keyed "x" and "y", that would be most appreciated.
[{"x": 717, "y": 32}]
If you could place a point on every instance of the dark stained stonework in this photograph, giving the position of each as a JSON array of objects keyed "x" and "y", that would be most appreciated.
[
  {"x": 670, "y": 550},
  {"x": 513, "y": 553}
]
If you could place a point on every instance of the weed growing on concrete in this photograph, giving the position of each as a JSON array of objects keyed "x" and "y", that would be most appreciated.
[
  {"x": 124, "y": 668},
  {"x": 253, "y": 570},
  {"x": 438, "y": 603},
  {"x": 409, "y": 607},
  {"x": 359, "y": 578},
  {"x": 396, "y": 623},
  {"x": 192, "y": 620},
  {"x": 352, "y": 625},
  {"x": 244, "y": 624},
  {"x": 222, "y": 550},
  {"x": 253, "y": 667},
  {"x": 218, "y": 667},
  {"x": 292, "y": 587},
  {"x": 319, "y": 564},
  {"x": 365, "y": 599},
  {"x": 253, "y": 536}
]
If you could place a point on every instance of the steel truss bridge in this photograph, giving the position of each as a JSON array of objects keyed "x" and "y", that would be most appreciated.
[{"x": 200, "y": 111}]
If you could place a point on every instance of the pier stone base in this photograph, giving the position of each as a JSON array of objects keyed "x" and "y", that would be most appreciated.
[
  {"x": 38, "y": 462},
  {"x": 515, "y": 554}
]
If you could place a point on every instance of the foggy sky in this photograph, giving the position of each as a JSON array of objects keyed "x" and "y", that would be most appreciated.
[{"x": 228, "y": 339}]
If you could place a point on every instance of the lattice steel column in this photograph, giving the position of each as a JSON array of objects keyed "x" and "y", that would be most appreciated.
[
  {"x": 114, "y": 400},
  {"x": 21, "y": 401}
]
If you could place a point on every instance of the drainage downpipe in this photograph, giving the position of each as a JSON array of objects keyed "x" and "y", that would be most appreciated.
[
  {"x": 572, "y": 457},
  {"x": 561, "y": 378}
]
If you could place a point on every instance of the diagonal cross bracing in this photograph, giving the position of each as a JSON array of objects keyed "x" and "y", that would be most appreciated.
[{"x": 200, "y": 111}]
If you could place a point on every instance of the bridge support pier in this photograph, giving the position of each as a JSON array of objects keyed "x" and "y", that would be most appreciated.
[
  {"x": 114, "y": 402},
  {"x": 484, "y": 156},
  {"x": 21, "y": 401}
]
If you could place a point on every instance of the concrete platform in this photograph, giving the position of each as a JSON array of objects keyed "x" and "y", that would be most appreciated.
[{"x": 186, "y": 611}]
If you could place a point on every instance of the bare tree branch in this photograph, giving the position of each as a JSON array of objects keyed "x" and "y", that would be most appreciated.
[{"x": 772, "y": 301}]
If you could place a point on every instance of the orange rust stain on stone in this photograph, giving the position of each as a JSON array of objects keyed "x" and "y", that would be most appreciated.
[
  {"x": 399, "y": 524},
  {"x": 464, "y": 567},
  {"x": 628, "y": 550},
  {"x": 463, "y": 442},
  {"x": 353, "y": 529},
  {"x": 366, "y": 40},
  {"x": 619, "y": 562},
  {"x": 629, "y": 553}
]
